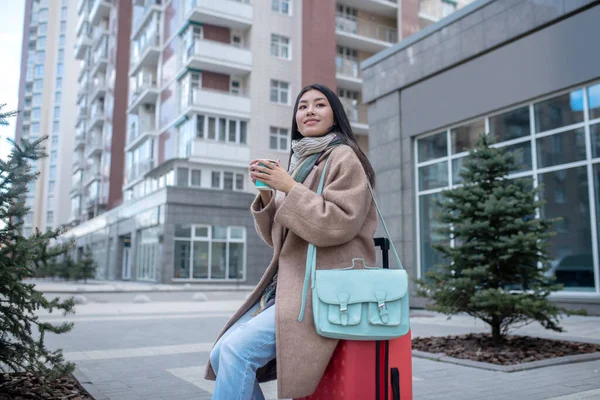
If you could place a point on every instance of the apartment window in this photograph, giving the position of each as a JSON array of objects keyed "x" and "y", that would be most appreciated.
[
  {"x": 56, "y": 112},
  {"x": 196, "y": 178},
  {"x": 58, "y": 83},
  {"x": 226, "y": 130},
  {"x": 209, "y": 252},
  {"x": 57, "y": 97},
  {"x": 215, "y": 180},
  {"x": 43, "y": 14},
  {"x": 63, "y": 13},
  {"x": 51, "y": 185},
  {"x": 41, "y": 43},
  {"x": 183, "y": 176},
  {"x": 236, "y": 40},
  {"x": 38, "y": 85},
  {"x": 280, "y": 46},
  {"x": 39, "y": 56},
  {"x": 36, "y": 100},
  {"x": 281, "y": 6},
  {"x": 61, "y": 54},
  {"x": 278, "y": 139},
  {"x": 39, "y": 71},
  {"x": 54, "y": 141},
  {"x": 243, "y": 132},
  {"x": 59, "y": 69},
  {"x": 42, "y": 29},
  {"x": 280, "y": 92},
  {"x": 347, "y": 12},
  {"x": 235, "y": 87},
  {"x": 35, "y": 128},
  {"x": 239, "y": 182},
  {"x": 55, "y": 127},
  {"x": 228, "y": 180},
  {"x": 53, "y": 157},
  {"x": 63, "y": 26},
  {"x": 52, "y": 174},
  {"x": 61, "y": 41},
  {"x": 200, "y": 126},
  {"x": 35, "y": 114},
  {"x": 49, "y": 218}
]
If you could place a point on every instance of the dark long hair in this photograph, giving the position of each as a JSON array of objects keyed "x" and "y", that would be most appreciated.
[{"x": 341, "y": 126}]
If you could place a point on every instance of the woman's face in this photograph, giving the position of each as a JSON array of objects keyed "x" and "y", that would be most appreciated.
[{"x": 314, "y": 115}]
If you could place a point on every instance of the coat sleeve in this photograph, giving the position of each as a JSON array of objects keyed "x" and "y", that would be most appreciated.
[
  {"x": 337, "y": 216},
  {"x": 263, "y": 218}
]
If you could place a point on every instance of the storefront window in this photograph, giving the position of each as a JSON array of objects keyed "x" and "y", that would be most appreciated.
[
  {"x": 555, "y": 156},
  {"x": 209, "y": 252}
]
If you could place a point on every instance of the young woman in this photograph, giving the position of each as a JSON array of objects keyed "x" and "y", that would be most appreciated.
[{"x": 264, "y": 340}]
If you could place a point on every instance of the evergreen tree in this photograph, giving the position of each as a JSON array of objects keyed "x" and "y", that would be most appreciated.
[
  {"x": 20, "y": 256},
  {"x": 87, "y": 266},
  {"x": 495, "y": 270}
]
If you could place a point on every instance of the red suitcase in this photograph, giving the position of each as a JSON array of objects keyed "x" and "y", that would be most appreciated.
[{"x": 368, "y": 370}]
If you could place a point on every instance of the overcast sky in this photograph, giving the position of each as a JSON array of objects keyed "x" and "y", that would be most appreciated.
[{"x": 11, "y": 32}]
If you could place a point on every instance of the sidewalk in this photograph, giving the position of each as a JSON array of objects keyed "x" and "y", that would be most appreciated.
[
  {"x": 94, "y": 286},
  {"x": 157, "y": 351}
]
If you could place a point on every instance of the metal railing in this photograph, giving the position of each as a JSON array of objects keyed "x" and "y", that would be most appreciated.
[
  {"x": 435, "y": 9},
  {"x": 363, "y": 27},
  {"x": 347, "y": 67}
]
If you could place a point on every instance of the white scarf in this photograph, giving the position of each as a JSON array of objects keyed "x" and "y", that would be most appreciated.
[{"x": 309, "y": 145}]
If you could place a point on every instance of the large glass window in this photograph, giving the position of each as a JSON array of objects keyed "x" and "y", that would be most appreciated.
[
  {"x": 280, "y": 92},
  {"x": 510, "y": 125},
  {"x": 560, "y": 111},
  {"x": 147, "y": 254},
  {"x": 554, "y": 155},
  {"x": 210, "y": 252},
  {"x": 280, "y": 47},
  {"x": 465, "y": 136}
]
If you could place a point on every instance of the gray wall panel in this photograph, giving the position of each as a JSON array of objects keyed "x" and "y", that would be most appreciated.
[{"x": 552, "y": 59}]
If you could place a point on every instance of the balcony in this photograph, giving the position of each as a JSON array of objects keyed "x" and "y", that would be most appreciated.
[
  {"x": 100, "y": 9},
  {"x": 348, "y": 73},
  {"x": 83, "y": 43},
  {"x": 96, "y": 118},
  {"x": 98, "y": 90},
  {"x": 82, "y": 25},
  {"x": 80, "y": 4},
  {"x": 100, "y": 36},
  {"x": 217, "y": 102},
  {"x": 100, "y": 61},
  {"x": 218, "y": 57},
  {"x": 93, "y": 145},
  {"x": 357, "y": 114},
  {"x": 146, "y": 56},
  {"x": 83, "y": 70},
  {"x": 432, "y": 11},
  {"x": 220, "y": 153},
  {"x": 384, "y": 8},
  {"x": 138, "y": 170},
  {"x": 82, "y": 90},
  {"x": 79, "y": 141},
  {"x": 150, "y": 9},
  {"x": 81, "y": 114},
  {"x": 91, "y": 175},
  {"x": 76, "y": 188},
  {"x": 138, "y": 133},
  {"x": 229, "y": 13},
  {"x": 146, "y": 93},
  {"x": 364, "y": 35}
]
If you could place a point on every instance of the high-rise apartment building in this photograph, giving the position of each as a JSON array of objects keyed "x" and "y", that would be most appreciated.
[
  {"x": 46, "y": 96},
  {"x": 177, "y": 97}
]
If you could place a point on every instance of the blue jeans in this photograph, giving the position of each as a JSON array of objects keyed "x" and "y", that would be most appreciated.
[{"x": 246, "y": 346}]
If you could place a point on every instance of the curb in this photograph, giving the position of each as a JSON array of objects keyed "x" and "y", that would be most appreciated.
[
  {"x": 87, "y": 385},
  {"x": 508, "y": 368}
]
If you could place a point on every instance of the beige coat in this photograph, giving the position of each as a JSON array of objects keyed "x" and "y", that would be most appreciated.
[{"x": 341, "y": 223}]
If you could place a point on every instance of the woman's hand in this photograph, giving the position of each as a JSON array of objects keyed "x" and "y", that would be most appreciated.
[{"x": 273, "y": 175}]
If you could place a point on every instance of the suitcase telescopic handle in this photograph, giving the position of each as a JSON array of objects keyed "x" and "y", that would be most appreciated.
[{"x": 384, "y": 243}]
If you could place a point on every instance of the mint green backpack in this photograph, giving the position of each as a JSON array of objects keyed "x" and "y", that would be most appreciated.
[{"x": 357, "y": 304}]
